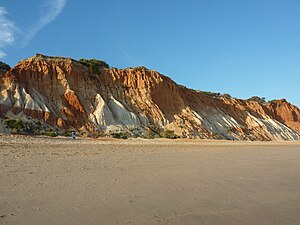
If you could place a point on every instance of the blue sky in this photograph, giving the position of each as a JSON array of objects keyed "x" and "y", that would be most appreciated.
[{"x": 240, "y": 47}]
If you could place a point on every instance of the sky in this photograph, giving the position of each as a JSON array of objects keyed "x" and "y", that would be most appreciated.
[{"x": 241, "y": 47}]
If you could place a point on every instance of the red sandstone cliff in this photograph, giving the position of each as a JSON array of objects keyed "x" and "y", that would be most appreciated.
[{"x": 66, "y": 94}]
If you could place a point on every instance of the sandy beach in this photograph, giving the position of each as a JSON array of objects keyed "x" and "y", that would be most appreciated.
[{"x": 46, "y": 181}]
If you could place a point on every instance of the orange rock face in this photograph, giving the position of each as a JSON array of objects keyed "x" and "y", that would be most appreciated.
[
  {"x": 286, "y": 113},
  {"x": 66, "y": 94}
]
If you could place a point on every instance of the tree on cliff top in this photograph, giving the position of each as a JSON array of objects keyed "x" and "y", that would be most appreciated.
[{"x": 4, "y": 66}]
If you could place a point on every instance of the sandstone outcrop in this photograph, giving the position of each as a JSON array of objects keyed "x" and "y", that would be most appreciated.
[{"x": 66, "y": 94}]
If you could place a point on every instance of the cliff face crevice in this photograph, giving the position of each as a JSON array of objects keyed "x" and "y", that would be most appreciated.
[{"x": 65, "y": 94}]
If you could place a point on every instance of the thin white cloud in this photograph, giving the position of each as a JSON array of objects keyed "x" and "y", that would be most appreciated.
[
  {"x": 48, "y": 10},
  {"x": 224, "y": 56},
  {"x": 2, "y": 54},
  {"x": 7, "y": 31}
]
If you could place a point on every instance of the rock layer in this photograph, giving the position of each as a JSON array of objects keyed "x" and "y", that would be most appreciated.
[{"x": 66, "y": 94}]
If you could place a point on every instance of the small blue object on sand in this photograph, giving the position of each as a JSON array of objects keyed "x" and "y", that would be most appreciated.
[{"x": 73, "y": 135}]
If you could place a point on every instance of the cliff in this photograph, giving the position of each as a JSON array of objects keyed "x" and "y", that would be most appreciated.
[{"x": 64, "y": 94}]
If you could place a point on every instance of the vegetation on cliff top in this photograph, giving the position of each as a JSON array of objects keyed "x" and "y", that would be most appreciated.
[
  {"x": 94, "y": 64},
  {"x": 214, "y": 94},
  {"x": 260, "y": 100},
  {"x": 4, "y": 66}
]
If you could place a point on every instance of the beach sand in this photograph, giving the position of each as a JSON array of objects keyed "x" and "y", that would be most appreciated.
[{"x": 57, "y": 181}]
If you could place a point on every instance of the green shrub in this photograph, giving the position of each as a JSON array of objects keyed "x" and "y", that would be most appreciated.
[
  {"x": 140, "y": 68},
  {"x": 38, "y": 123},
  {"x": 156, "y": 129},
  {"x": 119, "y": 135},
  {"x": 169, "y": 134},
  {"x": 158, "y": 132},
  {"x": 4, "y": 66},
  {"x": 212, "y": 94},
  {"x": 227, "y": 96},
  {"x": 31, "y": 127},
  {"x": 67, "y": 133},
  {"x": 152, "y": 132},
  {"x": 149, "y": 134},
  {"x": 16, "y": 125},
  {"x": 273, "y": 100},
  {"x": 257, "y": 99},
  {"x": 95, "y": 65},
  {"x": 51, "y": 134}
]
